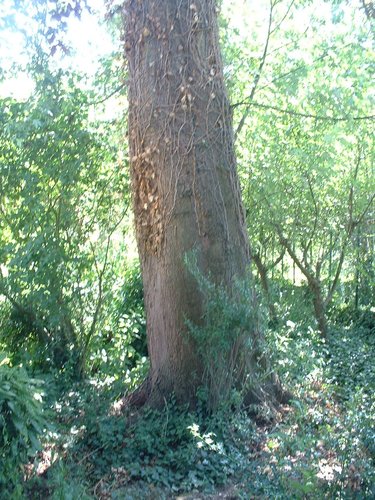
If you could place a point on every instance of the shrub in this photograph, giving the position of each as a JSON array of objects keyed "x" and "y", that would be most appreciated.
[
  {"x": 227, "y": 338},
  {"x": 121, "y": 344},
  {"x": 22, "y": 421}
]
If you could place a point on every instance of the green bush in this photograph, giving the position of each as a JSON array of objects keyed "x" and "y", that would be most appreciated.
[
  {"x": 227, "y": 337},
  {"x": 122, "y": 345},
  {"x": 22, "y": 421},
  {"x": 350, "y": 316}
]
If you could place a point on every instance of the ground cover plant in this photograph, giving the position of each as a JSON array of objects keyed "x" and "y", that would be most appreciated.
[{"x": 321, "y": 444}]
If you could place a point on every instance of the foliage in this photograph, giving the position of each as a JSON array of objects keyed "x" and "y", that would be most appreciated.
[
  {"x": 321, "y": 445},
  {"x": 326, "y": 439},
  {"x": 304, "y": 152},
  {"x": 58, "y": 221},
  {"x": 121, "y": 345},
  {"x": 22, "y": 422},
  {"x": 224, "y": 339},
  {"x": 167, "y": 448}
]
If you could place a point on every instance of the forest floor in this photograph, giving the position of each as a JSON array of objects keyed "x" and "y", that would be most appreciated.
[{"x": 321, "y": 445}]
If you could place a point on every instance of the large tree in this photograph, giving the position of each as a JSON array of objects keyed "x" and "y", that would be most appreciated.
[{"x": 185, "y": 186}]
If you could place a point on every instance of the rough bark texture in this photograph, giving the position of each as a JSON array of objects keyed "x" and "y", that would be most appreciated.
[
  {"x": 319, "y": 306},
  {"x": 262, "y": 271},
  {"x": 185, "y": 186}
]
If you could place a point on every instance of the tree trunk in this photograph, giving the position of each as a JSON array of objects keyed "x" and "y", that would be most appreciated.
[
  {"x": 186, "y": 192},
  {"x": 319, "y": 307},
  {"x": 262, "y": 270}
]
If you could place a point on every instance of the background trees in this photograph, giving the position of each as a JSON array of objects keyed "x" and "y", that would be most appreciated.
[
  {"x": 309, "y": 152},
  {"x": 62, "y": 200}
]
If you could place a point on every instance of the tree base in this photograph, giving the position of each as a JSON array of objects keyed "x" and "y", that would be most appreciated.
[
  {"x": 271, "y": 394},
  {"x": 139, "y": 397}
]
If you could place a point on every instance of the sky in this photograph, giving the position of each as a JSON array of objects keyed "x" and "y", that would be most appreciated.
[{"x": 88, "y": 39}]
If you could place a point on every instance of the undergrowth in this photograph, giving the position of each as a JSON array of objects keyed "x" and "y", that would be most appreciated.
[
  {"x": 321, "y": 445},
  {"x": 22, "y": 422}
]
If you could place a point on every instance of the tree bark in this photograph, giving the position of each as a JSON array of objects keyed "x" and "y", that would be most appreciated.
[
  {"x": 319, "y": 306},
  {"x": 262, "y": 271},
  {"x": 186, "y": 193}
]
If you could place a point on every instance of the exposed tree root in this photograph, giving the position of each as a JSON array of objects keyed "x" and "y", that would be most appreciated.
[
  {"x": 139, "y": 397},
  {"x": 272, "y": 394}
]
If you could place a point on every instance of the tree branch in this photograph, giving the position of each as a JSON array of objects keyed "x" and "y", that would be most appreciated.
[
  {"x": 283, "y": 18},
  {"x": 352, "y": 224},
  {"x": 303, "y": 267},
  {"x": 302, "y": 66},
  {"x": 100, "y": 273},
  {"x": 303, "y": 115},
  {"x": 316, "y": 216},
  {"x": 100, "y": 101},
  {"x": 258, "y": 73}
]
